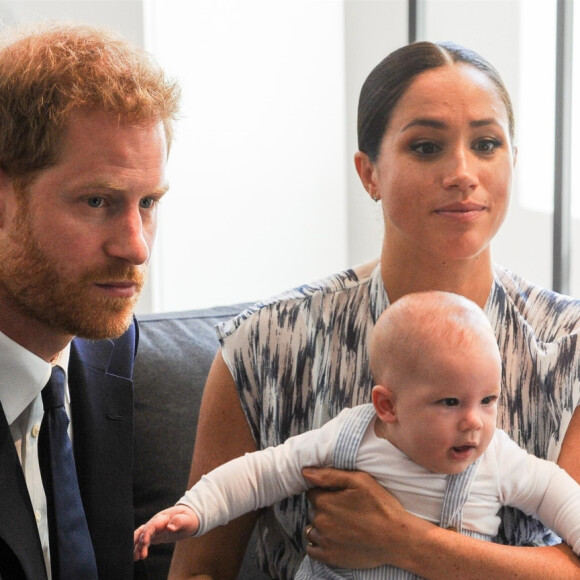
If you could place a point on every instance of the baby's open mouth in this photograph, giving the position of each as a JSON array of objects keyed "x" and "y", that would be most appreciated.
[{"x": 463, "y": 448}]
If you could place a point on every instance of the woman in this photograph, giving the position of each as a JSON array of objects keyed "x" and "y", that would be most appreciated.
[{"x": 436, "y": 148}]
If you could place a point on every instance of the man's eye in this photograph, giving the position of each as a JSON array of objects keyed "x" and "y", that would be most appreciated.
[
  {"x": 95, "y": 201},
  {"x": 147, "y": 203}
]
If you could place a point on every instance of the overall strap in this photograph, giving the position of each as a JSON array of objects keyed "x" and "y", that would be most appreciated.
[
  {"x": 456, "y": 494},
  {"x": 350, "y": 436}
]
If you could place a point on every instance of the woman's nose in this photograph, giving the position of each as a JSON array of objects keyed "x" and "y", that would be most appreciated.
[{"x": 460, "y": 172}]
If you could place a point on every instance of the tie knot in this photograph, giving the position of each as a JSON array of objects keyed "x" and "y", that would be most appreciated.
[{"x": 53, "y": 392}]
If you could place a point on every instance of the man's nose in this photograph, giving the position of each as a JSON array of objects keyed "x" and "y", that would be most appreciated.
[{"x": 129, "y": 240}]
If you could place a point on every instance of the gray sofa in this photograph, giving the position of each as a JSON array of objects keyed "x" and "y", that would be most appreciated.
[{"x": 175, "y": 353}]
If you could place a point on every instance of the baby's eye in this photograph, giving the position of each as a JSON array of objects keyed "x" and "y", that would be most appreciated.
[
  {"x": 450, "y": 402},
  {"x": 426, "y": 148},
  {"x": 489, "y": 400}
]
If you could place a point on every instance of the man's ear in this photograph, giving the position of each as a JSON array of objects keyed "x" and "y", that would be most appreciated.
[
  {"x": 8, "y": 198},
  {"x": 384, "y": 403},
  {"x": 5, "y": 187}
]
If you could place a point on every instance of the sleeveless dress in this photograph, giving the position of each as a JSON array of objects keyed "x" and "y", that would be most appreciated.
[{"x": 300, "y": 358}]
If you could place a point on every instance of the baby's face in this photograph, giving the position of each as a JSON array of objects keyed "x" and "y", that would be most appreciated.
[{"x": 446, "y": 417}]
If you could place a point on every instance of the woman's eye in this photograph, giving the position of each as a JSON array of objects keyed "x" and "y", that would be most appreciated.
[
  {"x": 427, "y": 148},
  {"x": 95, "y": 201},
  {"x": 487, "y": 145}
]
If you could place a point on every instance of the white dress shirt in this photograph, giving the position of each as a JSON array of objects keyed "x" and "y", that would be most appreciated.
[{"x": 23, "y": 375}]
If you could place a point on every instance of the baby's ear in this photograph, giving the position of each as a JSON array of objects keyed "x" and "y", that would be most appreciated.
[{"x": 384, "y": 403}]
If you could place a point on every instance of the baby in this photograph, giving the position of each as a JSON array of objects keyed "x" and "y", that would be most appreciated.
[{"x": 429, "y": 437}]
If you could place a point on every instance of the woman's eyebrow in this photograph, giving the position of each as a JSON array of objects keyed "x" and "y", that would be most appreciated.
[
  {"x": 425, "y": 122},
  {"x": 438, "y": 124},
  {"x": 484, "y": 122}
]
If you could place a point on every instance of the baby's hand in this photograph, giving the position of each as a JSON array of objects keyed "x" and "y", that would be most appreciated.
[{"x": 170, "y": 525}]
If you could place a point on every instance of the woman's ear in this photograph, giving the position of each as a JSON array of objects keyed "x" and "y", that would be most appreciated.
[
  {"x": 366, "y": 171},
  {"x": 384, "y": 403}
]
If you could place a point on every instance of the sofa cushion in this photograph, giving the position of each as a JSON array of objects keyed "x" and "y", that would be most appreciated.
[{"x": 175, "y": 353}]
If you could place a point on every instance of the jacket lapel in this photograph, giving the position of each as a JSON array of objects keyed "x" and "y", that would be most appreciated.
[{"x": 100, "y": 383}]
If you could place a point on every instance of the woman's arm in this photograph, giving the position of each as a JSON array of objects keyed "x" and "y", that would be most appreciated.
[
  {"x": 222, "y": 434},
  {"x": 362, "y": 526}
]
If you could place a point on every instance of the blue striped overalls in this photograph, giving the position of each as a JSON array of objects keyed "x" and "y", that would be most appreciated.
[{"x": 345, "y": 454}]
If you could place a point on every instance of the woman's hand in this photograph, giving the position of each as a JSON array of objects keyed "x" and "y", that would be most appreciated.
[{"x": 355, "y": 522}]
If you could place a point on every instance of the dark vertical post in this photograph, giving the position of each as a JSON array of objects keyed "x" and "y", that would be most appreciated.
[
  {"x": 416, "y": 18},
  {"x": 562, "y": 150}
]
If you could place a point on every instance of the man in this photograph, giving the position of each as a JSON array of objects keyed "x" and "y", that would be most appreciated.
[{"x": 85, "y": 128}]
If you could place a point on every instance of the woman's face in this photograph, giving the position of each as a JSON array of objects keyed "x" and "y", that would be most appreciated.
[{"x": 444, "y": 170}]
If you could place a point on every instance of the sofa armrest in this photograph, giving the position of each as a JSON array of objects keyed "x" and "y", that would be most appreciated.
[{"x": 175, "y": 353}]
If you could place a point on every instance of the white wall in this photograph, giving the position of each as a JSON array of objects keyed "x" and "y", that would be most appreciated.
[
  {"x": 125, "y": 16},
  {"x": 258, "y": 196},
  {"x": 373, "y": 29}
]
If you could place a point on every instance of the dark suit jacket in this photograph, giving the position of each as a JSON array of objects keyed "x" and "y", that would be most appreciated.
[{"x": 100, "y": 381}]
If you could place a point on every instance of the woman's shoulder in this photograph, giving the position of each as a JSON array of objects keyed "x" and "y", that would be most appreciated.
[
  {"x": 336, "y": 287},
  {"x": 540, "y": 307}
]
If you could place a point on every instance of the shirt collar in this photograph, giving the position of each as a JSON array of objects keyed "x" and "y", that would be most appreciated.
[{"x": 22, "y": 376}]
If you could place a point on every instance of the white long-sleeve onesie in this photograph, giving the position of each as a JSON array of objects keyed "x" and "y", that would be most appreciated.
[{"x": 506, "y": 475}]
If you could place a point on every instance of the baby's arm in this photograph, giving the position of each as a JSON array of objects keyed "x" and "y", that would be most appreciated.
[
  {"x": 170, "y": 525},
  {"x": 241, "y": 485},
  {"x": 543, "y": 489},
  {"x": 560, "y": 508},
  {"x": 259, "y": 479}
]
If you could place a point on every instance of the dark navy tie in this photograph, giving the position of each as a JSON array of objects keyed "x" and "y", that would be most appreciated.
[{"x": 71, "y": 551}]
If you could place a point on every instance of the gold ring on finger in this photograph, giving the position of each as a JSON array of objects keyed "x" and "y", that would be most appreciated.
[{"x": 307, "y": 536}]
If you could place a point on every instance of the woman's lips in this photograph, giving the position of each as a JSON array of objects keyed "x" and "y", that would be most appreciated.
[{"x": 461, "y": 211}]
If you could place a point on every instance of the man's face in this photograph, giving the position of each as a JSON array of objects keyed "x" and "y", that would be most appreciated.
[{"x": 74, "y": 246}]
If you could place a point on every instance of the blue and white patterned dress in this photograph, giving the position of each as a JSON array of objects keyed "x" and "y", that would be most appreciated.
[{"x": 301, "y": 357}]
